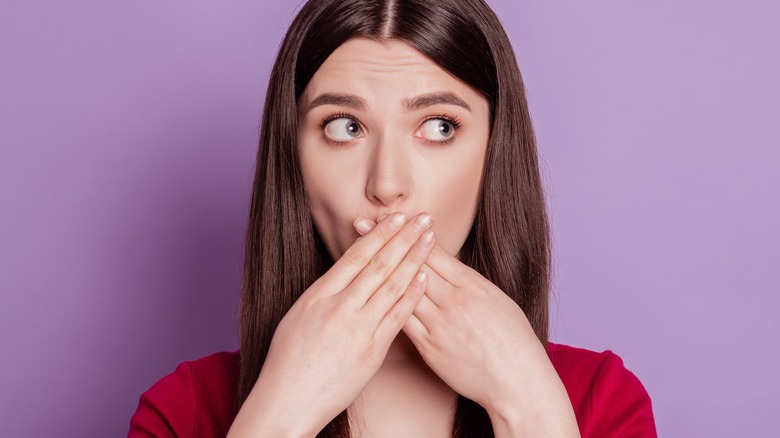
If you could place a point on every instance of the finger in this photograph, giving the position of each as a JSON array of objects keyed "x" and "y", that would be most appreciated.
[
  {"x": 398, "y": 315},
  {"x": 346, "y": 268},
  {"x": 448, "y": 267},
  {"x": 363, "y": 225},
  {"x": 427, "y": 311},
  {"x": 416, "y": 331},
  {"x": 387, "y": 260},
  {"x": 438, "y": 290},
  {"x": 390, "y": 291},
  {"x": 441, "y": 262}
]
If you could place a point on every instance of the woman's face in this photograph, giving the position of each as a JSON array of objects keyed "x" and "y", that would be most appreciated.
[{"x": 385, "y": 129}]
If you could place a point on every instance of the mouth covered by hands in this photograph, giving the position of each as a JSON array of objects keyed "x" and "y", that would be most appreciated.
[{"x": 336, "y": 336}]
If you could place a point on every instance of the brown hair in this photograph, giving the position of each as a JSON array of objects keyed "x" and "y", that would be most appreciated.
[{"x": 509, "y": 241}]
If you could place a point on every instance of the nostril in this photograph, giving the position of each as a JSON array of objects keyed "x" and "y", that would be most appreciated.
[{"x": 386, "y": 192}]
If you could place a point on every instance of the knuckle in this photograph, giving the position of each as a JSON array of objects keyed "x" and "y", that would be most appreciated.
[
  {"x": 331, "y": 313},
  {"x": 356, "y": 257},
  {"x": 396, "y": 317},
  {"x": 409, "y": 236},
  {"x": 385, "y": 233},
  {"x": 415, "y": 292},
  {"x": 391, "y": 287},
  {"x": 378, "y": 264},
  {"x": 419, "y": 255},
  {"x": 327, "y": 315}
]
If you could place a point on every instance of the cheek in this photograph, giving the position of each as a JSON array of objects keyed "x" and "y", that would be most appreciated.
[
  {"x": 329, "y": 191},
  {"x": 455, "y": 204}
]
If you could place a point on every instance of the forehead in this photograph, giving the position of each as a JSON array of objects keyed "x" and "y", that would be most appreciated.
[{"x": 390, "y": 69}]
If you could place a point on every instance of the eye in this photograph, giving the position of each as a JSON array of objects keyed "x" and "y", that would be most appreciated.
[
  {"x": 342, "y": 129},
  {"x": 438, "y": 129}
]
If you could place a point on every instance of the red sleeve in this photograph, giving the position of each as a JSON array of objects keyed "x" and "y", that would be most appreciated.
[
  {"x": 619, "y": 404},
  {"x": 167, "y": 409}
]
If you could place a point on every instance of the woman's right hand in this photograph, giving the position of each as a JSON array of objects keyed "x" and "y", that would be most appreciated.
[{"x": 335, "y": 337}]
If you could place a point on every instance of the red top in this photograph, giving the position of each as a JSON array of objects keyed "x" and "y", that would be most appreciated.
[{"x": 196, "y": 400}]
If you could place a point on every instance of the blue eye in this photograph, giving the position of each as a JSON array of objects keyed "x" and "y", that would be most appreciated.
[
  {"x": 437, "y": 130},
  {"x": 342, "y": 129}
]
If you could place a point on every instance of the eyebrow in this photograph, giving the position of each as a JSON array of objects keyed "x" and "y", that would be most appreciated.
[
  {"x": 426, "y": 100},
  {"x": 348, "y": 100},
  {"x": 413, "y": 104}
]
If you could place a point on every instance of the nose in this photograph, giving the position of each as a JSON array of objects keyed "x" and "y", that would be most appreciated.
[{"x": 389, "y": 179}]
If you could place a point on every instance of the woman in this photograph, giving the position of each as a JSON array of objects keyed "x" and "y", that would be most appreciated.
[{"x": 404, "y": 122}]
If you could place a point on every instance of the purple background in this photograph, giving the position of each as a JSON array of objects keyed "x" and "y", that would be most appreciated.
[{"x": 127, "y": 137}]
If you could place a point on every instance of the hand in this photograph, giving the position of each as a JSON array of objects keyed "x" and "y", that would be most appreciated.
[
  {"x": 480, "y": 343},
  {"x": 336, "y": 335}
]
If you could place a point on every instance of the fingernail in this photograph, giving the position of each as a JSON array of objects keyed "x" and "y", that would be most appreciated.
[
  {"x": 427, "y": 238},
  {"x": 421, "y": 277},
  {"x": 397, "y": 220},
  {"x": 423, "y": 220},
  {"x": 363, "y": 225}
]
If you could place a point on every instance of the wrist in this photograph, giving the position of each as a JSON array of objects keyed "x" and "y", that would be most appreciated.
[
  {"x": 506, "y": 424},
  {"x": 530, "y": 423},
  {"x": 270, "y": 411},
  {"x": 540, "y": 407}
]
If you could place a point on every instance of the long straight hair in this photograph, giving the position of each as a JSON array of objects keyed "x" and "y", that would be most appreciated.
[{"x": 508, "y": 243}]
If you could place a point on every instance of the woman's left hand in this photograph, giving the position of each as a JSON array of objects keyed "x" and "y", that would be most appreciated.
[
  {"x": 474, "y": 336},
  {"x": 480, "y": 343}
]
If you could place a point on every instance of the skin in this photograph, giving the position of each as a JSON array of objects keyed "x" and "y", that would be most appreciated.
[{"x": 397, "y": 327}]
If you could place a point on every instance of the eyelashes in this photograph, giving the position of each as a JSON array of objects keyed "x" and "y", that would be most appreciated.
[
  {"x": 333, "y": 117},
  {"x": 453, "y": 121}
]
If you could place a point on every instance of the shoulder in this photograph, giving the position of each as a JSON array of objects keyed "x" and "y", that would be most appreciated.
[
  {"x": 608, "y": 399},
  {"x": 223, "y": 363},
  {"x": 198, "y": 394},
  {"x": 579, "y": 363}
]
